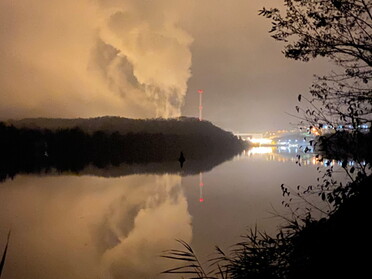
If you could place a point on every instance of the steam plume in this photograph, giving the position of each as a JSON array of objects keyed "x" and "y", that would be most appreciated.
[{"x": 87, "y": 58}]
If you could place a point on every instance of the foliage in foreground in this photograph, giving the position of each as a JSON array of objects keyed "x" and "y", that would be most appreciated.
[
  {"x": 332, "y": 247},
  {"x": 340, "y": 30},
  {"x": 3, "y": 258}
]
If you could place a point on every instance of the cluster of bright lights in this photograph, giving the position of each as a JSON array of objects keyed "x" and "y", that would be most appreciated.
[
  {"x": 315, "y": 131},
  {"x": 261, "y": 141}
]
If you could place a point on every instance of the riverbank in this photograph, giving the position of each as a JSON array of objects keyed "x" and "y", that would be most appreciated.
[{"x": 35, "y": 146}]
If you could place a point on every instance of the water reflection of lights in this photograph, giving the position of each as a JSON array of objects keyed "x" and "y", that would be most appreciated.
[
  {"x": 286, "y": 154},
  {"x": 201, "y": 184}
]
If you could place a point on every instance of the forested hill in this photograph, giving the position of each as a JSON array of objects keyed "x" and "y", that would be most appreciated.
[
  {"x": 110, "y": 124},
  {"x": 35, "y": 145}
]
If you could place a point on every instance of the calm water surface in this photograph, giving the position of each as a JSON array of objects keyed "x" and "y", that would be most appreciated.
[{"x": 87, "y": 226}]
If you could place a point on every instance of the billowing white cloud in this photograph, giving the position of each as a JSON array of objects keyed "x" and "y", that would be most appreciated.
[{"x": 87, "y": 58}]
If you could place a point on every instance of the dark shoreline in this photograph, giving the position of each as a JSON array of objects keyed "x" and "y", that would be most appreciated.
[{"x": 40, "y": 150}]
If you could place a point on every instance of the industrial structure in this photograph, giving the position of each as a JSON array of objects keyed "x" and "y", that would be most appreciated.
[{"x": 200, "y": 91}]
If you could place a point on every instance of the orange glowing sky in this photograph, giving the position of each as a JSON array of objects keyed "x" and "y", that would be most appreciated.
[{"x": 138, "y": 58}]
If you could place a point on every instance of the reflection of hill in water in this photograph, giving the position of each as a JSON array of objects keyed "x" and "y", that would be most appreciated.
[{"x": 189, "y": 168}]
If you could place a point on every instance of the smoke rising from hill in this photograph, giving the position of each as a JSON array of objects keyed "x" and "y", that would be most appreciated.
[{"x": 89, "y": 58}]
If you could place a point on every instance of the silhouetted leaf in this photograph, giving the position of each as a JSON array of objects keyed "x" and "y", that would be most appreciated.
[{"x": 323, "y": 196}]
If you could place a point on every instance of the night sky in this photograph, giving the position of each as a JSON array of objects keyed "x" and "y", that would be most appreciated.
[{"x": 143, "y": 59}]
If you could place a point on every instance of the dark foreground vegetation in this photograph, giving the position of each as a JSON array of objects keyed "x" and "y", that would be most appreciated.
[
  {"x": 37, "y": 149},
  {"x": 345, "y": 145},
  {"x": 337, "y": 246}
]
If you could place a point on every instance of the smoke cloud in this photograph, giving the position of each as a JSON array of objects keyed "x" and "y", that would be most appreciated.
[{"x": 88, "y": 58}]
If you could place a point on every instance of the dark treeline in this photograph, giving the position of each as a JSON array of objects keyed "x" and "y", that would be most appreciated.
[
  {"x": 345, "y": 145},
  {"x": 110, "y": 124},
  {"x": 71, "y": 149}
]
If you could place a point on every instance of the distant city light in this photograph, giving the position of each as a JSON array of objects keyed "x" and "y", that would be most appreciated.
[
  {"x": 261, "y": 140},
  {"x": 314, "y": 131}
]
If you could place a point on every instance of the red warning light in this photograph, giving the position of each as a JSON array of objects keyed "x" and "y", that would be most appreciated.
[
  {"x": 201, "y": 184},
  {"x": 200, "y": 91},
  {"x": 201, "y": 199}
]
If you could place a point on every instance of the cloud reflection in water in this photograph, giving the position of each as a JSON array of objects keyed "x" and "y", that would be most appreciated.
[{"x": 91, "y": 227}]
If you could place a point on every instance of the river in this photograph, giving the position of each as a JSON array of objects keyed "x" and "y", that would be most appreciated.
[{"x": 90, "y": 225}]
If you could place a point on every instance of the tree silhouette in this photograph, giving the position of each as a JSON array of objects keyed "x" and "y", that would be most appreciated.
[{"x": 342, "y": 31}]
